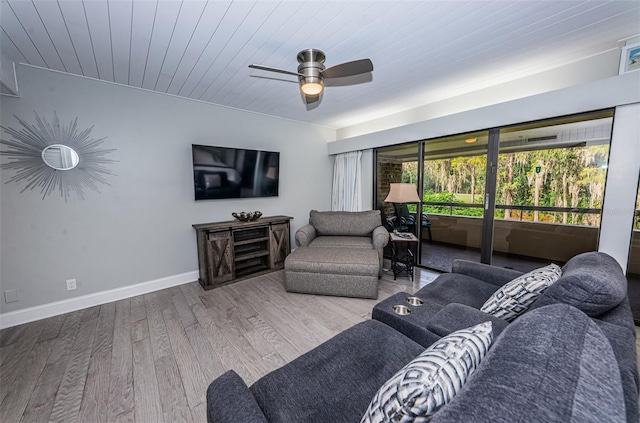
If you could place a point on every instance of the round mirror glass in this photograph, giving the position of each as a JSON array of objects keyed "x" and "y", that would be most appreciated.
[{"x": 60, "y": 157}]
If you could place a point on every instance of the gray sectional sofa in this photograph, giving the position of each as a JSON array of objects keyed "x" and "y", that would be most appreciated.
[{"x": 570, "y": 358}]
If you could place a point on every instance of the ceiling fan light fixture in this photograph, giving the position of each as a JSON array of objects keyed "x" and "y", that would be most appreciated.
[
  {"x": 312, "y": 72},
  {"x": 311, "y": 88}
]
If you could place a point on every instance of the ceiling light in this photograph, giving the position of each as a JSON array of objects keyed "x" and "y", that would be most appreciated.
[
  {"x": 470, "y": 140},
  {"x": 311, "y": 88}
]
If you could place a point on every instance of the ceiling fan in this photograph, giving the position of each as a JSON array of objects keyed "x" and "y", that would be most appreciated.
[{"x": 312, "y": 72}]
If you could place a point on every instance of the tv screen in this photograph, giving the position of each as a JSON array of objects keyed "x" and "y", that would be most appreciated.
[{"x": 221, "y": 172}]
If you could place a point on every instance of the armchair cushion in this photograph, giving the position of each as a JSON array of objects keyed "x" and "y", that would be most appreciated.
[
  {"x": 358, "y": 242},
  {"x": 345, "y": 223}
]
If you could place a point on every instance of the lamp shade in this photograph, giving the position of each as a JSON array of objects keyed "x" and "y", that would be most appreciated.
[{"x": 402, "y": 193}]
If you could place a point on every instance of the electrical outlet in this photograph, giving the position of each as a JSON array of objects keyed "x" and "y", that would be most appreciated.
[
  {"x": 10, "y": 296},
  {"x": 71, "y": 284}
]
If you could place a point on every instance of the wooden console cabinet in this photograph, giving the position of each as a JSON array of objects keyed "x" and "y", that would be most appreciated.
[{"x": 231, "y": 251}]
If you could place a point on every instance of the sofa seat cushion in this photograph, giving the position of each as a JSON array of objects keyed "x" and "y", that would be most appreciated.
[
  {"x": 552, "y": 364},
  {"x": 454, "y": 288},
  {"x": 361, "y": 242},
  {"x": 335, "y": 381},
  {"x": 345, "y": 223},
  {"x": 432, "y": 379}
]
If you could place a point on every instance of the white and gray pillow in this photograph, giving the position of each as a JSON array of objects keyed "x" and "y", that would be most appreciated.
[
  {"x": 516, "y": 296},
  {"x": 432, "y": 379}
]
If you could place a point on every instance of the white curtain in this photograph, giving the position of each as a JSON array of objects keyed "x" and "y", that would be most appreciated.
[{"x": 347, "y": 182}]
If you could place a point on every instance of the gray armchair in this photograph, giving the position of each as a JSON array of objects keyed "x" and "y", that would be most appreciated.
[{"x": 344, "y": 230}]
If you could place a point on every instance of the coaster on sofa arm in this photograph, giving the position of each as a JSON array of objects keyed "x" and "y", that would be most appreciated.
[{"x": 432, "y": 379}]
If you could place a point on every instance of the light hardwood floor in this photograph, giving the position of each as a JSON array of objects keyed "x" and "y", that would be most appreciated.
[{"x": 150, "y": 358}]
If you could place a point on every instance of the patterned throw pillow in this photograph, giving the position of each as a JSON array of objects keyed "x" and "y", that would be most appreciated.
[
  {"x": 515, "y": 297},
  {"x": 432, "y": 379}
]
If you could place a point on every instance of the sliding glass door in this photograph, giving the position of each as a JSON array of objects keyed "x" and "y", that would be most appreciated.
[
  {"x": 549, "y": 190},
  {"x": 515, "y": 197},
  {"x": 453, "y": 194}
]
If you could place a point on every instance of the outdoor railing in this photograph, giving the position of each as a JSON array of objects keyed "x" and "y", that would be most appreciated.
[
  {"x": 521, "y": 236},
  {"x": 521, "y": 208}
]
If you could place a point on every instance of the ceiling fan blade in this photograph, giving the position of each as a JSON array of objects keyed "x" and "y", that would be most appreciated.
[
  {"x": 349, "y": 69},
  {"x": 267, "y": 68}
]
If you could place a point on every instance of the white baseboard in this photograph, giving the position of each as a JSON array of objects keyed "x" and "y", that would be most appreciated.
[{"x": 31, "y": 314}]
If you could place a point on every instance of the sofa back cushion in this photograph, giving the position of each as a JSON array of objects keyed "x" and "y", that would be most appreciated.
[
  {"x": 345, "y": 223},
  {"x": 552, "y": 364},
  {"x": 592, "y": 282}
]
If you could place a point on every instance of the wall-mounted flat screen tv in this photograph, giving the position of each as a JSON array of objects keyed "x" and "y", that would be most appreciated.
[{"x": 222, "y": 172}]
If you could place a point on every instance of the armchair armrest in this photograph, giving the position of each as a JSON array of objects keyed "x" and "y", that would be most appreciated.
[
  {"x": 305, "y": 235},
  {"x": 456, "y": 316},
  {"x": 491, "y": 274},
  {"x": 380, "y": 237},
  {"x": 230, "y": 400}
]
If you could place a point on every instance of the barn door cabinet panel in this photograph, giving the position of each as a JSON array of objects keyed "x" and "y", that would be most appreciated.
[
  {"x": 231, "y": 251},
  {"x": 280, "y": 247},
  {"x": 219, "y": 256}
]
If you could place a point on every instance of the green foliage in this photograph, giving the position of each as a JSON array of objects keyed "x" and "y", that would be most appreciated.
[
  {"x": 448, "y": 197},
  {"x": 567, "y": 177}
]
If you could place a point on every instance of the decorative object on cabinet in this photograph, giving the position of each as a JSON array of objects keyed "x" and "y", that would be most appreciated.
[
  {"x": 233, "y": 250},
  {"x": 55, "y": 157},
  {"x": 247, "y": 216}
]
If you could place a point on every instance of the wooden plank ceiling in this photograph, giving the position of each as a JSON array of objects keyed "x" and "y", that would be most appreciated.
[{"x": 423, "y": 51}]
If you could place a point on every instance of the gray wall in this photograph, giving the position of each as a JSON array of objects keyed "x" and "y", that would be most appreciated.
[{"x": 139, "y": 228}]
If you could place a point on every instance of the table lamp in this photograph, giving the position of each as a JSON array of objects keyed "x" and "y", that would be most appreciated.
[{"x": 401, "y": 194}]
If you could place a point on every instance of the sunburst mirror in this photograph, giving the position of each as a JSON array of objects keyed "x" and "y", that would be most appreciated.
[{"x": 54, "y": 157}]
